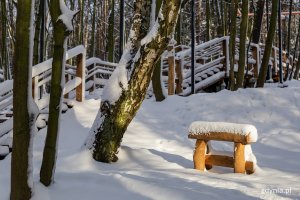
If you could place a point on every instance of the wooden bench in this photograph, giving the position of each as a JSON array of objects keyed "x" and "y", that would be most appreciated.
[{"x": 240, "y": 134}]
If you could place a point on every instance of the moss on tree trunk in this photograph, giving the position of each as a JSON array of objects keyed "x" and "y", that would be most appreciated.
[{"x": 117, "y": 117}]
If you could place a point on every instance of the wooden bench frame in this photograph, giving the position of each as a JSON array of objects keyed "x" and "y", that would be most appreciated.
[{"x": 203, "y": 160}]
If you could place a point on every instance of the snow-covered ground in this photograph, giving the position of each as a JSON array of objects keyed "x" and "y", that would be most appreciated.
[{"x": 155, "y": 160}]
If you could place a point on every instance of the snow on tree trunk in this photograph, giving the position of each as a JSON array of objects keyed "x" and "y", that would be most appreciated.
[
  {"x": 157, "y": 84},
  {"x": 62, "y": 20},
  {"x": 114, "y": 116},
  {"x": 25, "y": 117}
]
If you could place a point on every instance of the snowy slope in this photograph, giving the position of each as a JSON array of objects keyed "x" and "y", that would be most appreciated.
[{"x": 155, "y": 161}]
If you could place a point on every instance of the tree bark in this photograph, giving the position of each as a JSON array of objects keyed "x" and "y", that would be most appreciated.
[
  {"x": 23, "y": 104},
  {"x": 296, "y": 75},
  {"x": 60, "y": 34},
  {"x": 4, "y": 56},
  {"x": 92, "y": 52},
  {"x": 233, "y": 10},
  {"x": 242, "y": 52},
  {"x": 289, "y": 41},
  {"x": 156, "y": 77},
  {"x": 110, "y": 36},
  {"x": 208, "y": 20},
  {"x": 268, "y": 48},
  {"x": 115, "y": 118},
  {"x": 260, "y": 5}
]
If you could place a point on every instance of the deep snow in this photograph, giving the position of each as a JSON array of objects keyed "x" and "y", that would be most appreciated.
[{"x": 155, "y": 160}]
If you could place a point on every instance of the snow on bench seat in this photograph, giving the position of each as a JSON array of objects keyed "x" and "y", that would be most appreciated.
[
  {"x": 242, "y": 158},
  {"x": 223, "y": 131}
]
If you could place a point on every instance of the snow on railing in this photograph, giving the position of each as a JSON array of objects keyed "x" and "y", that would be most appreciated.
[
  {"x": 84, "y": 76},
  {"x": 98, "y": 71},
  {"x": 208, "y": 55}
]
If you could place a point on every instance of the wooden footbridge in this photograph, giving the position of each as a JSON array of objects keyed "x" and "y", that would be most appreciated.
[{"x": 84, "y": 75}]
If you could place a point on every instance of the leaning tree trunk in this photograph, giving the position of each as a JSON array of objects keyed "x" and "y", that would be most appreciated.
[
  {"x": 114, "y": 116},
  {"x": 60, "y": 34},
  {"x": 268, "y": 48},
  {"x": 242, "y": 52},
  {"x": 23, "y": 104}
]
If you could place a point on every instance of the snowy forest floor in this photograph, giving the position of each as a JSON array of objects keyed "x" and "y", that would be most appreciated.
[{"x": 155, "y": 160}]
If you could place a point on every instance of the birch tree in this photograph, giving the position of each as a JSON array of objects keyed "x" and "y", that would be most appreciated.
[
  {"x": 119, "y": 108},
  {"x": 25, "y": 117}
]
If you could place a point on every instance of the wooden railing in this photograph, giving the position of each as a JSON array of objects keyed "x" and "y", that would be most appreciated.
[
  {"x": 1, "y": 75},
  {"x": 212, "y": 64},
  {"x": 84, "y": 75}
]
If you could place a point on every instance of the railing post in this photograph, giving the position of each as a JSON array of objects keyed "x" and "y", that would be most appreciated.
[
  {"x": 66, "y": 80},
  {"x": 80, "y": 72},
  {"x": 35, "y": 89},
  {"x": 257, "y": 63},
  {"x": 179, "y": 77},
  {"x": 274, "y": 60},
  {"x": 93, "y": 79},
  {"x": 171, "y": 74},
  {"x": 226, "y": 54}
]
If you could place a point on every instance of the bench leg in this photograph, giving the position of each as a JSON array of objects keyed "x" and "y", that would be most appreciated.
[
  {"x": 239, "y": 158},
  {"x": 199, "y": 155}
]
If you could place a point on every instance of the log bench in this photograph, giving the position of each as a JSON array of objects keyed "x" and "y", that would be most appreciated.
[{"x": 240, "y": 134}]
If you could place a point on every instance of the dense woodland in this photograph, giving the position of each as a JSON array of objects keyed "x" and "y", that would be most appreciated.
[{"x": 134, "y": 34}]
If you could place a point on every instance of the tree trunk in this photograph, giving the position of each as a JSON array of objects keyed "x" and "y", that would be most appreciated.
[
  {"x": 156, "y": 77},
  {"x": 208, "y": 20},
  {"x": 36, "y": 50},
  {"x": 25, "y": 117},
  {"x": 92, "y": 52},
  {"x": 289, "y": 41},
  {"x": 4, "y": 56},
  {"x": 295, "y": 51},
  {"x": 110, "y": 36},
  {"x": 60, "y": 34},
  {"x": 242, "y": 52},
  {"x": 82, "y": 25},
  {"x": 260, "y": 5},
  {"x": 296, "y": 75},
  {"x": 233, "y": 10},
  {"x": 268, "y": 48},
  {"x": 114, "y": 117}
]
